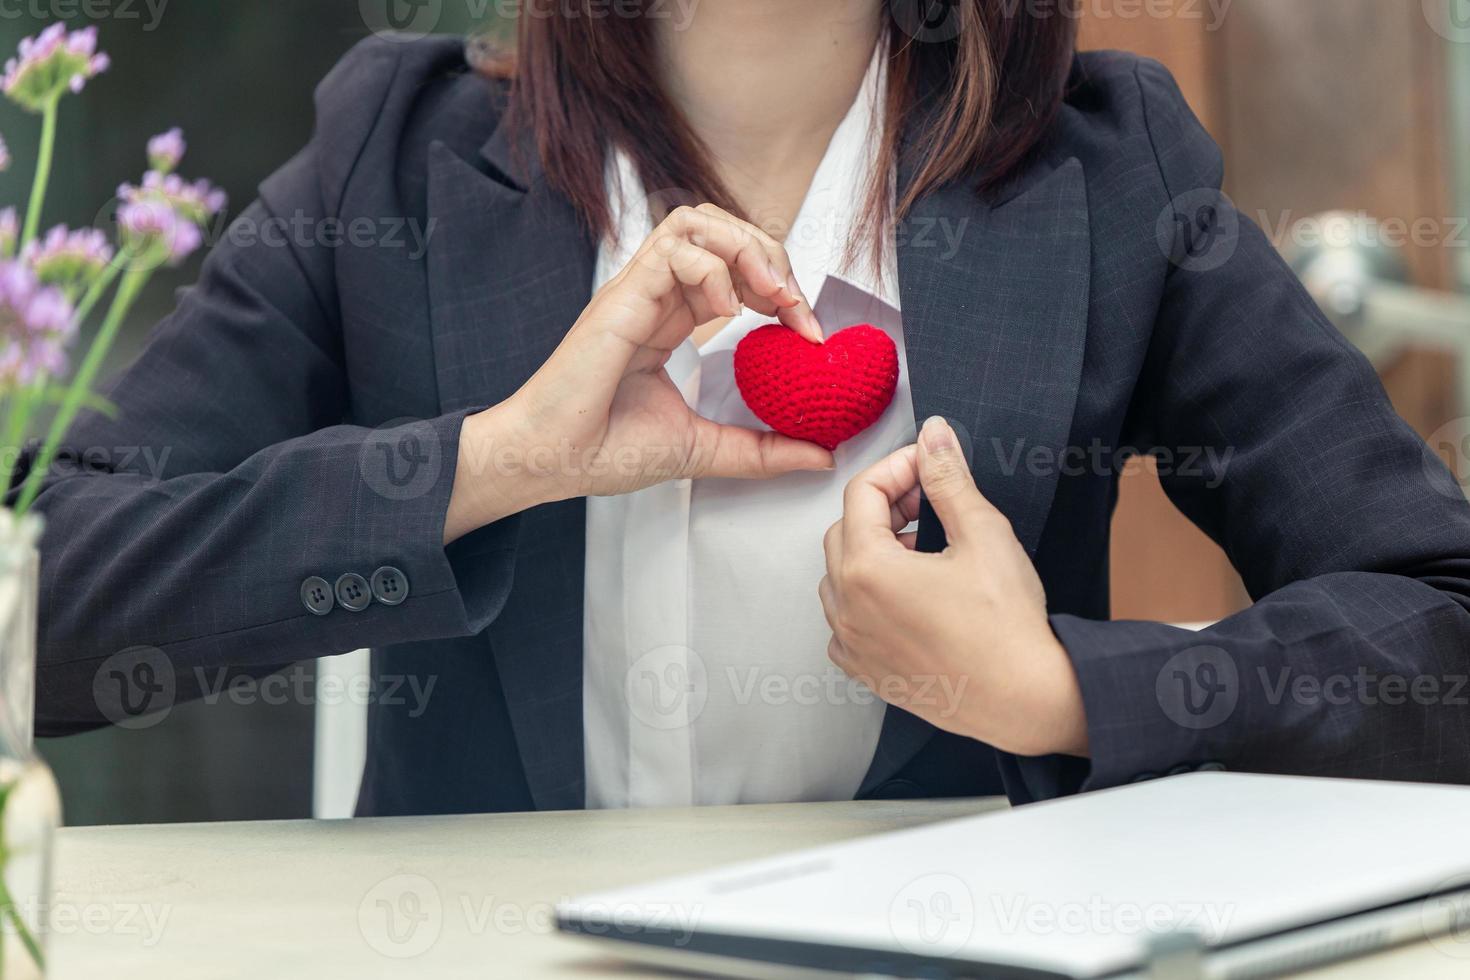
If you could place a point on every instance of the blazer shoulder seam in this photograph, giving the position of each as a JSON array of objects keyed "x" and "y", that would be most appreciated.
[
  {"x": 334, "y": 207},
  {"x": 1148, "y": 128}
]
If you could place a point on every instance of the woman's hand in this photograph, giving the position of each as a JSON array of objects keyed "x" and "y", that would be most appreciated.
[
  {"x": 602, "y": 417},
  {"x": 960, "y": 638}
]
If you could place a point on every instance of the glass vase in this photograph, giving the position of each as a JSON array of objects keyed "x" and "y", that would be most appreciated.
[{"x": 30, "y": 807}]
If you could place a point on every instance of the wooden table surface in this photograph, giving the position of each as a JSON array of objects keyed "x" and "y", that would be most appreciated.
[{"x": 308, "y": 899}]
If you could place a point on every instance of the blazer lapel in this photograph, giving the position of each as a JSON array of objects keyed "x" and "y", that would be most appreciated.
[
  {"x": 995, "y": 301},
  {"x": 510, "y": 269}
]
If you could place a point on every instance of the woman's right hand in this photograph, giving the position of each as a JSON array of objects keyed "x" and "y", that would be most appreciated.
[{"x": 602, "y": 417}]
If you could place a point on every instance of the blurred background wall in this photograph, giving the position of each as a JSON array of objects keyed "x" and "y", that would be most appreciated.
[{"x": 1362, "y": 105}]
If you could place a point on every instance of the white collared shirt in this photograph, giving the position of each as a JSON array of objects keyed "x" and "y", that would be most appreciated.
[{"x": 705, "y": 670}]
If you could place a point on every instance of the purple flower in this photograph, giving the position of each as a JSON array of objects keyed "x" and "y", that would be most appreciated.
[
  {"x": 165, "y": 217},
  {"x": 35, "y": 326},
  {"x": 197, "y": 201},
  {"x": 51, "y": 64},
  {"x": 166, "y": 150},
  {"x": 69, "y": 260},
  {"x": 151, "y": 226},
  {"x": 9, "y": 232}
]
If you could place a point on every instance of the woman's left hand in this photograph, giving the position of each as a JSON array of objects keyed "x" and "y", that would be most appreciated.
[{"x": 959, "y": 638}]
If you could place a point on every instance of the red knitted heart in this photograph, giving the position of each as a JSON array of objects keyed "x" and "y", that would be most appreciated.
[{"x": 823, "y": 393}]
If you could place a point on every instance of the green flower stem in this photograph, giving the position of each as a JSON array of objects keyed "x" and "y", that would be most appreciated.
[
  {"x": 8, "y": 909},
  {"x": 99, "y": 287},
  {"x": 21, "y": 404},
  {"x": 43, "y": 170},
  {"x": 81, "y": 386},
  {"x": 7, "y": 903}
]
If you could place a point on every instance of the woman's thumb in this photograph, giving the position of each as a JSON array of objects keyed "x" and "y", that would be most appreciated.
[{"x": 945, "y": 476}]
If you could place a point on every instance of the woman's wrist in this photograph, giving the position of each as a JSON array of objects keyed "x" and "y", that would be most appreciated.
[
  {"x": 492, "y": 480},
  {"x": 1062, "y": 713},
  {"x": 1047, "y": 717}
]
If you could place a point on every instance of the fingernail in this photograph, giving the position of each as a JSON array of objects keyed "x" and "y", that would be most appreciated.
[
  {"x": 775, "y": 274},
  {"x": 815, "y": 328},
  {"x": 735, "y": 303},
  {"x": 794, "y": 289},
  {"x": 937, "y": 436}
]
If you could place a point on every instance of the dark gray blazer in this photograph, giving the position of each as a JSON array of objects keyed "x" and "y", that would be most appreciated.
[{"x": 305, "y": 401}]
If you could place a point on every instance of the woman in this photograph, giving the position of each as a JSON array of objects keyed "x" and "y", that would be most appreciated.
[{"x": 517, "y": 468}]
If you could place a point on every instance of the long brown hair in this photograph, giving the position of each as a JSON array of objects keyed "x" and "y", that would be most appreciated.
[{"x": 981, "y": 79}]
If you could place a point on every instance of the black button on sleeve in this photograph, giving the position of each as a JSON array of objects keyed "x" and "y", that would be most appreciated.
[
  {"x": 353, "y": 592},
  {"x": 316, "y": 595},
  {"x": 390, "y": 585},
  {"x": 898, "y": 789},
  {"x": 1211, "y": 767}
]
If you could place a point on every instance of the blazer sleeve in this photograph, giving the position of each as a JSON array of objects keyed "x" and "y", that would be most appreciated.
[
  {"x": 1351, "y": 536},
  {"x": 186, "y": 527}
]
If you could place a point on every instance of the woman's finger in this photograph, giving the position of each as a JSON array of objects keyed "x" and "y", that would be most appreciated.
[
  {"x": 832, "y": 547},
  {"x": 635, "y": 308},
  {"x": 839, "y": 656},
  {"x": 872, "y": 504},
  {"x": 906, "y": 510},
  {"x": 950, "y": 486},
  {"x": 781, "y": 295},
  {"x": 705, "y": 277},
  {"x": 828, "y": 595},
  {"x": 760, "y": 261},
  {"x": 739, "y": 243},
  {"x": 732, "y": 452},
  {"x": 682, "y": 254}
]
